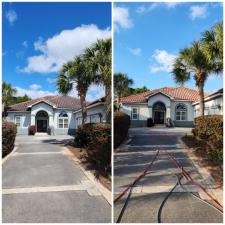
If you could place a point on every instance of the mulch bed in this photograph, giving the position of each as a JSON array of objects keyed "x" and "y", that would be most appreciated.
[
  {"x": 198, "y": 148},
  {"x": 79, "y": 153}
]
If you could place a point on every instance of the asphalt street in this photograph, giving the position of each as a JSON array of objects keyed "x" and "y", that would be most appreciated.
[
  {"x": 41, "y": 184},
  {"x": 149, "y": 193}
]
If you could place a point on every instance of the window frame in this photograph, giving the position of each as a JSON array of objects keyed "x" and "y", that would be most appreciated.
[
  {"x": 20, "y": 123},
  {"x": 63, "y": 121},
  {"x": 134, "y": 113},
  {"x": 181, "y": 114}
]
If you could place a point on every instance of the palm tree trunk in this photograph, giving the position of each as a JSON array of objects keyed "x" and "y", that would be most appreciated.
[
  {"x": 201, "y": 97},
  {"x": 108, "y": 103},
  {"x": 83, "y": 109}
]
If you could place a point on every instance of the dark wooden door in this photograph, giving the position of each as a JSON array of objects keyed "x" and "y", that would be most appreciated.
[
  {"x": 159, "y": 117},
  {"x": 41, "y": 125}
]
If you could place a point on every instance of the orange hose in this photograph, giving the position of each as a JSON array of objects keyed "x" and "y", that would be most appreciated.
[
  {"x": 189, "y": 178},
  {"x": 137, "y": 178}
]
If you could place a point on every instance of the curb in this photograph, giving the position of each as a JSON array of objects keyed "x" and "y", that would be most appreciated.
[
  {"x": 10, "y": 154},
  {"x": 218, "y": 194},
  {"x": 103, "y": 190}
]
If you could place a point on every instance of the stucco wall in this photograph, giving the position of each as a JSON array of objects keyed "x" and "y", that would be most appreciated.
[
  {"x": 45, "y": 107},
  {"x": 25, "y": 121},
  {"x": 190, "y": 109},
  {"x": 145, "y": 110},
  {"x": 91, "y": 111},
  {"x": 211, "y": 107}
]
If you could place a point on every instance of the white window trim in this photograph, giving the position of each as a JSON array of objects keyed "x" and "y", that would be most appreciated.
[
  {"x": 180, "y": 114},
  {"x": 133, "y": 114},
  {"x": 63, "y": 122},
  {"x": 20, "y": 121}
]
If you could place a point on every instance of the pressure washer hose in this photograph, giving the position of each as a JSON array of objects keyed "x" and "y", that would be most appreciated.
[
  {"x": 184, "y": 174},
  {"x": 191, "y": 193}
]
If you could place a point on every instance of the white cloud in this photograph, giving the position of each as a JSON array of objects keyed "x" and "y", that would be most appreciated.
[
  {"x": 95, "y": 92},
  {"x": 34, "y": 91},
  {"x": 11, "y": 16},
  {"x": 121, "y": 18},
  {"x": 163, "y": 61},
  {"x": 171, "y": 5},
  {"x": 62, "y": 47},
  {"x": 149, "y": 8},
  {"x": 155, "y": 5},
  {"x": 25, "y": 44},
  {"x": 135, "y": 51},
  {"x": 19, "y": 54},
  {"x": 198, "y": 11},
  {"x": 51, "y": 80}
]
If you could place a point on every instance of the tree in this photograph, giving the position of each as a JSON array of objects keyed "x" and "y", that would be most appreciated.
[
  {"x": 19, "y": 99},
  {"x": 212, "y": 41},
  {"x": 76, "y": 74},
  {"x": 100, "y": 60},
  {"x": 7, "y": 93},
  {"x": 121, "y": 84},
  {"x": 193, "y": 61},
  {"x": 134, "y": 91}
]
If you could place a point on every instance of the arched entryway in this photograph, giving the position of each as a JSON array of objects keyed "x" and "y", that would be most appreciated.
[
  {"x": 42, "y": 121},
  {"x": 159, "y": 113}
]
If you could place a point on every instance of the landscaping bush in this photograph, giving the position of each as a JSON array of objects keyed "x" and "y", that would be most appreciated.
[
  {"x": 150, "y": 122},
  {"x": 121, "y": 126},
  {"x": 9, "y": 130},
  {"x": 210, "y": 129},
  {"x": 99, "y": 146},
  {"x": 208, "y": 126},
  {"x": 96, "y": 139},
  {"x": 83, "y": 135},
  {"x": 32, "y": 130}
]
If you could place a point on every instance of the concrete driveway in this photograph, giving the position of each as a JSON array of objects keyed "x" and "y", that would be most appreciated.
[
  {"x": 41, "y": 184},
  {"x": 150, "y": 191}
]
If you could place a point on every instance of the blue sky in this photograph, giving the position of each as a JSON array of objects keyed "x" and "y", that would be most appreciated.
[
  {"x": 148, "y": 37},
  {"x": 39, "y": 37}
]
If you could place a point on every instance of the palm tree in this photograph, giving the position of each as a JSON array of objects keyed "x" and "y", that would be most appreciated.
[
  {"x": 99, "y": 58},
  {"x": 8, "y": 93},
  {"x": 121, "y": 84},
  {"x": 75, "y": 74},
  {"x": 212, "y": 41},
  {"x": 193, "y": 61}
]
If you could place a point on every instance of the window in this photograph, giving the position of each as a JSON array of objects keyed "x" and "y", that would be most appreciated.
[
  {"x": 63, "y": 120},
  {"x": 18, "y": 121},
  {"x": 134, "y": 113},
  {"x": 181, "y": 112}
]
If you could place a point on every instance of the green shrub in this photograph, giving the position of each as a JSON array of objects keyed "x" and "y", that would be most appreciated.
[
  {"x": 9, "y": 130},
  {"x": 209, "y": 126},
  {"x": 96, "y": 139},
  {"x": 83, "y": 135},
  {"x": 210, "y": 129},
  {"x": 121, "y": 127}
]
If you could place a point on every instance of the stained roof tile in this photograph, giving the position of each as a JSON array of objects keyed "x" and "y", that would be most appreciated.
[{"x": 178, "y": 93}]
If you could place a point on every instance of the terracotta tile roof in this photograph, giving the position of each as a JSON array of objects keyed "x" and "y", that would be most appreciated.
[
  {"x": 58, "y": 101},
  {"x": 177, "y": 93},
  {"x": 100, "y": 100}
]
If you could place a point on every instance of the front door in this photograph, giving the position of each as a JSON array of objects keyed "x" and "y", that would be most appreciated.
[
  {"x": 41, "y": 125},
  {"x": 159, "y": 117}
]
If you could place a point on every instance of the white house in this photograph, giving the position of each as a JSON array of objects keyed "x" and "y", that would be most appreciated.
[
  {"x": 96, "y": 112},
  {"x": 213, "y": 104},
  {"x": 60, "y": 113},
  {"x": 176, "y": 104}
]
